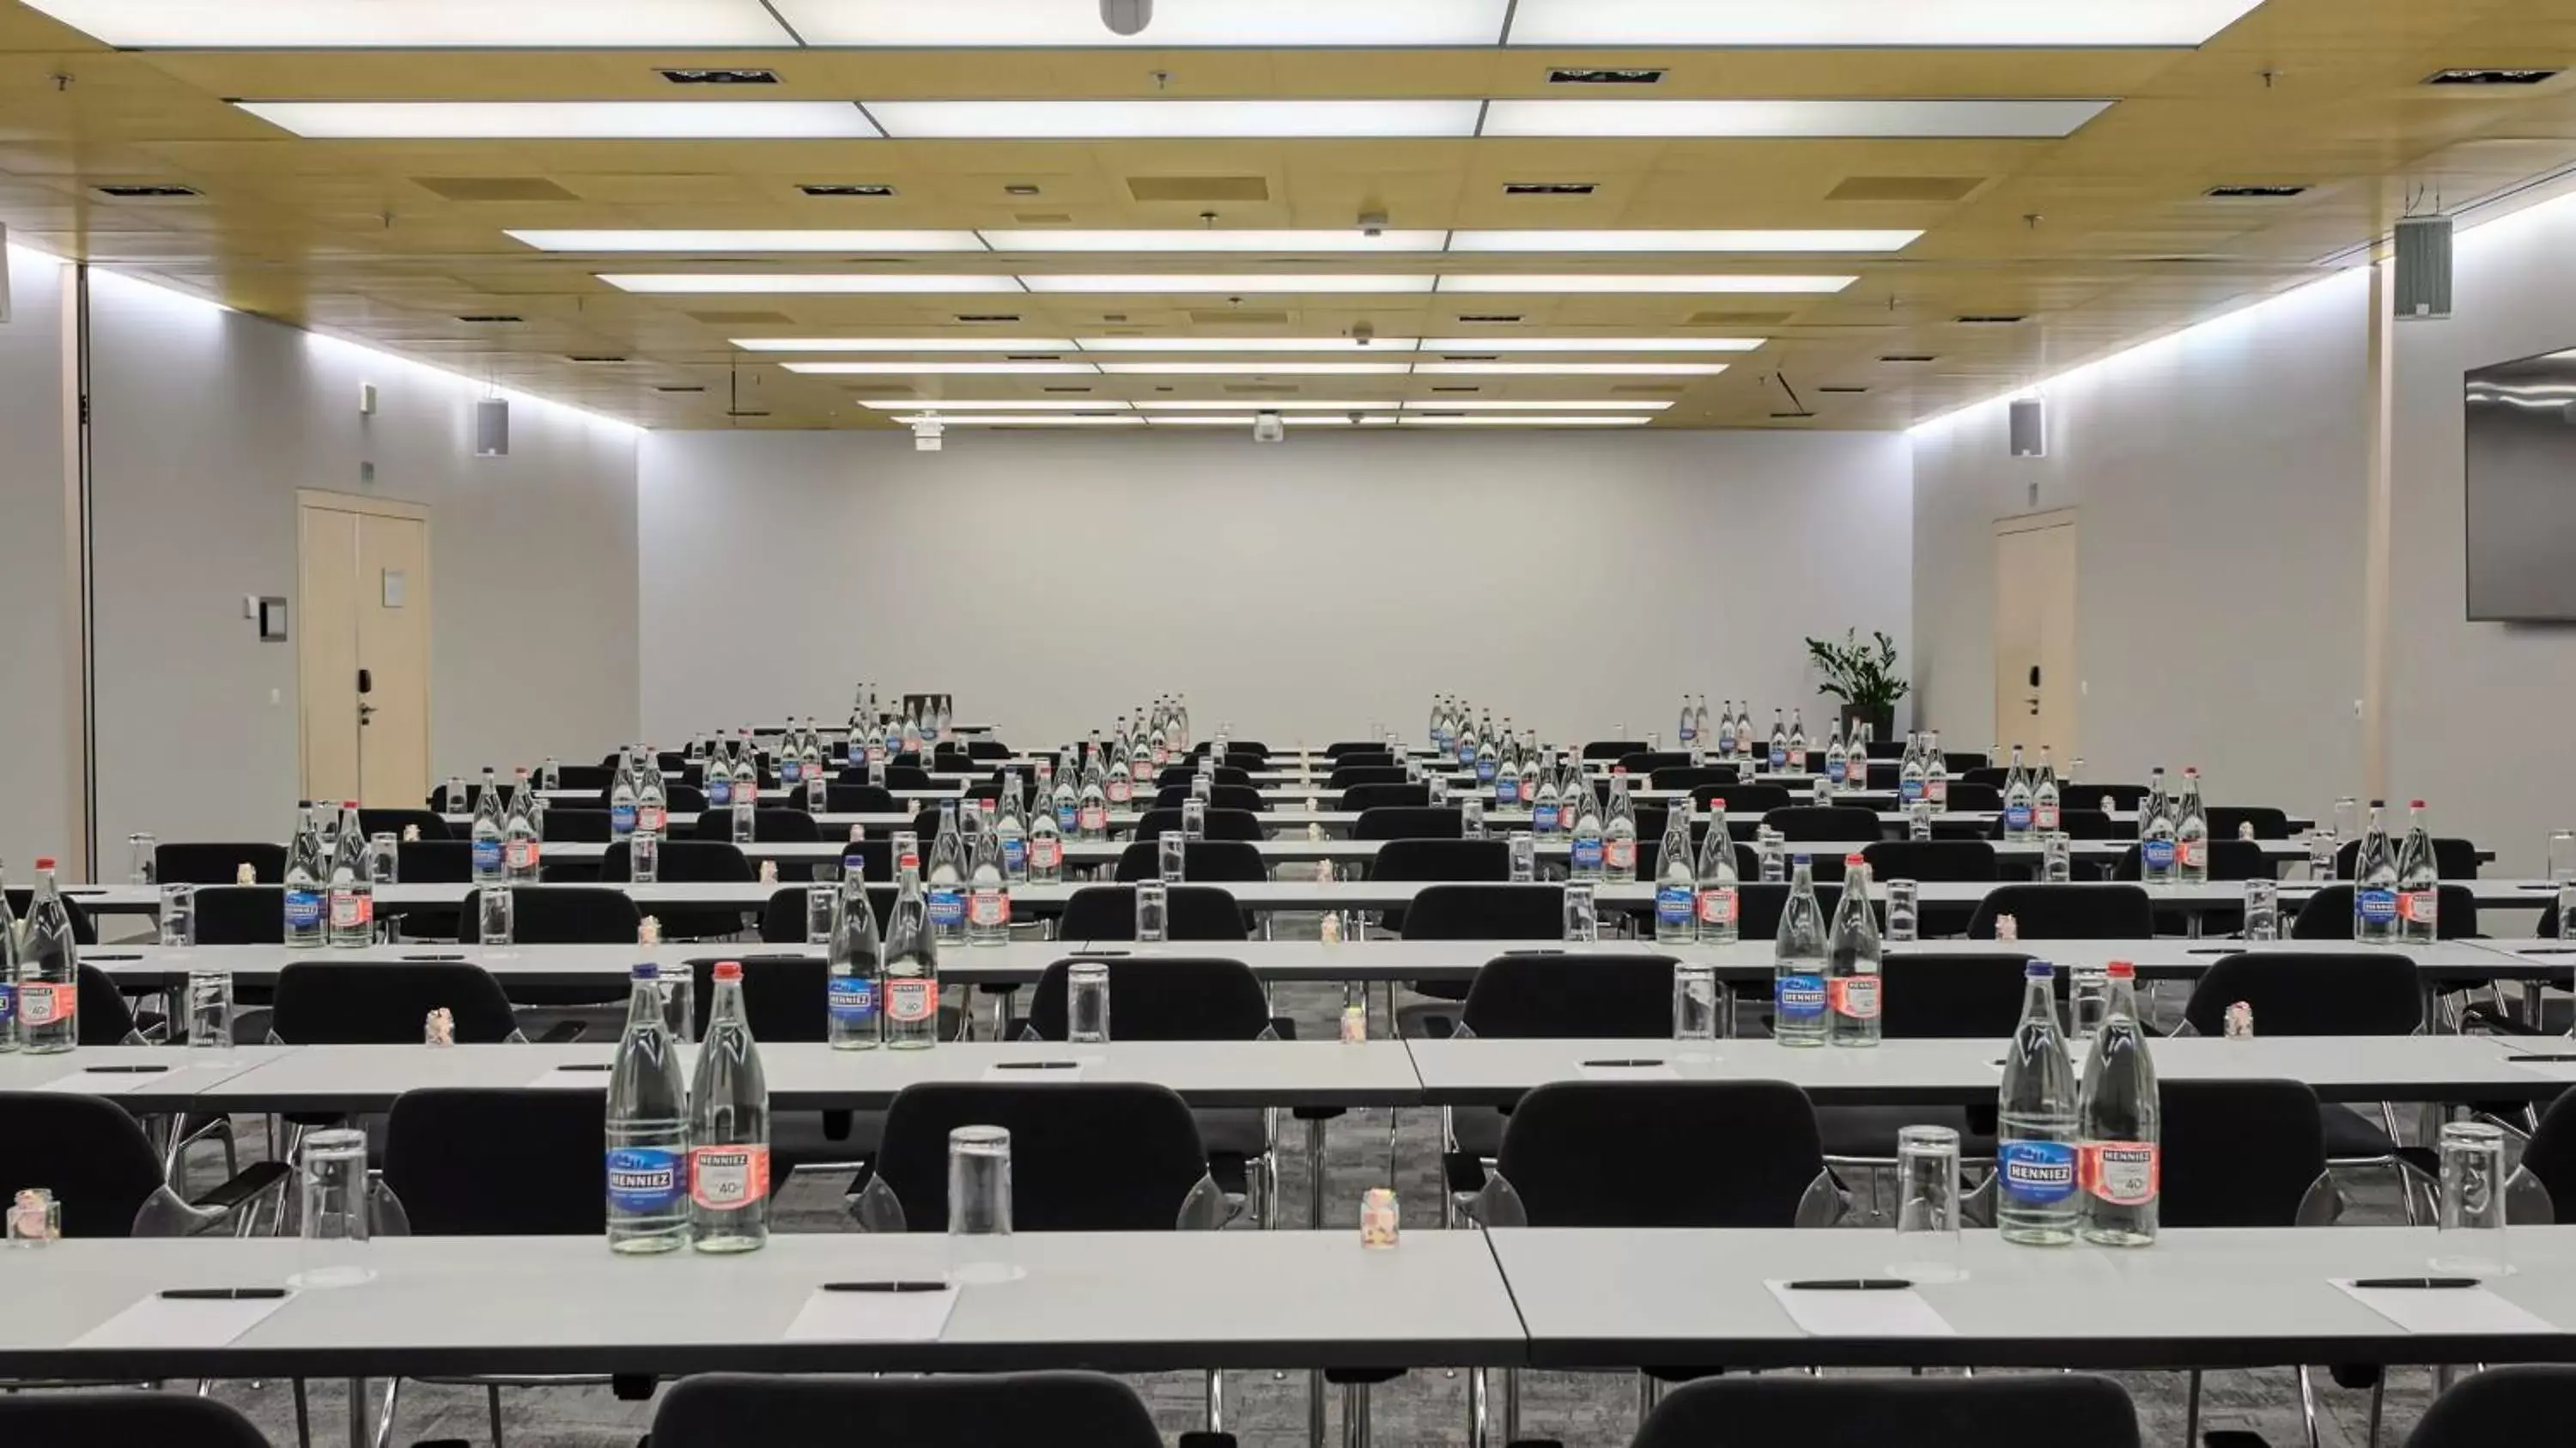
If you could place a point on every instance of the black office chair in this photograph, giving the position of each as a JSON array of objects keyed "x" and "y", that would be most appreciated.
[
  {"x": 431, "y": 824},
  {"x": 1571, "y": 997},
  {"x": 1798, "y": 823},
  {"x": 102, "y": 1016},
  {"x": 1989, "y": 1412},
  {"x": 1206, "y": 862},
  {"x": 1378, "y": 758},
  {"x": 1443, "y": 858},
  {"x": 2229, "y": 859},
  {"x": 566, "y": 915},
  {"x": 1179, "y": 777},
  {"x": 2550, "y": 1157},
  {"x": 2498, "y": 1407},
  {"x": 2327, "y": 915},
  {"x": 575, "y": 826},
  {"x": 1222, "y": 796},
  {"x": 2087, "y": 795},
  {"x": 1222, "y": 824},
  {"x": 1612, "y": 749},
  {"x": 1745, "y": 803},
  {"x": 441, "y": 862},
  {"x": 1947, "y": 861},
  {"x": 106, "y": 1173},
  {"x": 1993, "y": 775},
  {"x": 773, "y": 826},
  {"x": 1951, "y": 997},
  {"x": 908, "y": 776},
  {"x": 861, "y": 798},
  {"x": 444, "y": 1147},
  {"x": 595, "y": 776},
  {"x": 1108, "y": 912},
  {"x": 2453, "y": 859},
  {"x": 1342, "y": 747},
  {"x": 1409, "y": 822},
  {"x": 217, "y": 864},
  {"x": 1963, "y": 796},
  {"x": 2067, "y": 912},
  {"x": 1001, "y": 1410},
  {"x": 1163, "y": 998},
  {"x": 1758, "y": 905},
  {"x": 1643, "y": 763},
  {"x": 123, "y": 1419},
  {"x": 2075, "y": 824},
  {"x": 241, "y": 915},
  {"x": 1086, "y": 1156},
  {"x": 698, "y": 862},
  {"x": 329, "y": 1002},
  {"x": 1689, "y": 777},
  {"x": 2227, "y": 821},
  {"x": 1365, "y": 797},
  {"x": 1601, "y": 1154},
  {"x": 1348, "y": 776},
  {"x": 782, "y": 920},
  {"x": 1486, "y": 912}
]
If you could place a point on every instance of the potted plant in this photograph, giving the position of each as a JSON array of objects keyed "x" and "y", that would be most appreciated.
[{"x": 1863, "y": 676}]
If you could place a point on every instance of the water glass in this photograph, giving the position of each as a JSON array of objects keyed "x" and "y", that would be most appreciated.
[
  {"x": 1086, "y": 1003},
  {"x": 1582, "y": 921},
  {"x": 2470, "y": 1236},
  {"x": 2262, "y": 910},
  {"x": 2567, "y": 912},
  {"x": 1694, "y": 1001},
  {"x": 644, "y": 858},
  {"x": 1524, "y": 850},
  {"x": 1775, "y": 859},
  {"x": 1412, "y": 769},
  {"x": 677, "y": 985},
  {"x": 1654, "y": 741},
  {"x": 2321, "y": 854},
  {"x": 744, "y": 812},
  {"x": 1471, "y": 818},
  {"x": 384, "y": 858},
  {"x": 1200, "y": 784},
  {"x": 1153, "y": 911},
  {"x": 1173, "y": 854},
  {"x": 2562, "y": 856},
  {"x": 1438, "y": 785},
  {"x": 1927, "y": 1205},
  {"x": 1904, "y": 911},
  {"x": 822, "y": 903},
  {"x": 2347, "y": 819},
  {"x": 979, "y": 1204},
  {"x": 142, "y": 851},
  {"x": 335, "y": 1218},
  {"x": 1194, "y": 814},
  {"x": 2057, "y": 859},
  {"x": 2088, "y": 1000},
  {"x": 495, "y": 912},
  {"x": 210, "y": 1009},
  {"x": 179, "y": 915}
]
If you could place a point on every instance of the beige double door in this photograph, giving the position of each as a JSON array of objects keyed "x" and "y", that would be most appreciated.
[
  {"x": 363, "y": 657},
  {"x": 2035, "y": 685}
]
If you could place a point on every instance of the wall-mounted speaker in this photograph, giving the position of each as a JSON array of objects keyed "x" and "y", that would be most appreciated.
[
  {"x": 4, "y": 273},
  {"x": 2028, "y": 426},
  {"x": 2423, "y": 271},
  {"x": 492, "y": 428}
]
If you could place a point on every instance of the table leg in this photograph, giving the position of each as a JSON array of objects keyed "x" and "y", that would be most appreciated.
[
  {"x": 1216, "y": 1400},
  {"x": 360, "y": 1433},
  {"x": 1315, "y": 1385},
  {"x": 1478, "y": 1430}
]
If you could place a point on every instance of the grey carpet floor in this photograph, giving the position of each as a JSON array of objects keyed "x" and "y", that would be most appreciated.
[{"x": 1269, "y": 1410}]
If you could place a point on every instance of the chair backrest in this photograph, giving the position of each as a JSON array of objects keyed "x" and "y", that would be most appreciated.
[
  {"x": 859, "y": 798},
  {"x": 1486, "y": 912},
  {"x": 1987, "y": 774},
  {"x": 2550, "y": 1156},
  {"x": 2453, "y": 859},
  {"x": 1108, "y": 912},
  {"x": 2497, "y": 1407},
  {"x": 446, "y": 1148},
  {"x": 1572, "y": 997},
  {"x": 1086, "y": 1156},
  {"x": 2310, "y": 993},
  {"x": 1602, "y": 1153},
  {"x": 1163, "y": 998},
  {"x": 1642, "y": 763},
  {"x": 1348, "y": 775},
  {"x": 777, "y": 826},
  {"x": 1179, "y": 777},
  {"x": 83, "y": 931},
  {"x": 102, "y": 1017},
  {"x": 1758, "y": 905},
  {"x": 87, "y": 1151},
  {"x": 1487, "y": 860},
  {"x": 2237, "y": 1153},
  {"x": 1822, "y": 822},
  {"x": 908, "y": 776},
  {"x": 217, "y": 864},
  {"x": 1341, "y": 747},
  {"x": 783, "y": 996},
  {"x": 1613, "y": 749},
  {"x": 2226, "y": 822},
  {"x": 1378, "y": 758},
  {"x": 1745, "y": 803},
  {"x": 1950, "y": 996},
  {"x": 1398, "y": 795},
  {"x": 2086, "y": 794},
  {"x": 2067, "y": 912},
  {"x": 348, "y": 1003},
  {"x": 241, "y": 914},
  {"x": 2075, "y": 824},
  {"x": 1220, "y": 796},
  {"x": 576, "y": 826},
  {"x": 592, "y": 776},
  {"x": 123, "y": 1419},
  {"x": 2053, "y": 1411},
  {"x": 702, "y": 862},
  {"x": 431, "y": 824},
  {"x": 1968, "y": 861},
  {"x": 442, "y": 862},
  {"x": 1691, "y": 777},
  {"x": 2229, "y": 859},
  {"x": 1406, "y": 821},
  {"x": 1208, "y": 862},
  {"x": 1222, "y": 824},
  {"x": 1964, "y": 796},
  {"x": 982, "y": 1410},
  {"x": 564, "y": 914},
  {"x": 2328, "y": 914}
]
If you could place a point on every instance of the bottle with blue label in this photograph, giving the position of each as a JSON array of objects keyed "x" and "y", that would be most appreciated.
[
  {"x": 854, "y": 1019},
  {"x": 648, "y": 1129},
  {"x": 489, "y": 867},
  {"x": 1585, "y": 851},
  {"x": 1677, "y": 880},
  {"x": 1544, "y": 811},
  {"x": 1836, "y": 766},
  {"x": 2374, "y": 882},
  {"x": 946, "y": 880},
  {"x": 306, "y": 871},
  {"x": 2159, "y": 841},
  {"x": 2018, "y": 805},
  {"x": 1798, "y": 964},
  {"x": 2038, "y": 1127},
  {"x": 8, "y": 968}
]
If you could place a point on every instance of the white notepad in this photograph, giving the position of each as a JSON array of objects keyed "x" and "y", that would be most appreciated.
[
  {"x": 106, "y": 1083},
  {"x": 1895, "y": 1313},
  {"x": 873, "y": 1316},
  {"x": 158, "y": 1321},
  {"x": 2449, "y": 1310}
]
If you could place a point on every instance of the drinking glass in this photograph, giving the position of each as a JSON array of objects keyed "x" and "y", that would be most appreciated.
[
  {"x": 1412, "y": 769},
  {"x": 2347, "y": 819},
  {"x": 1153, "y": 911},
  {"x": 1654, "y": 741},
  {"x": 2470, "y": 1234},
  {"x": 210, "y": 1009},
  {"x": 179, "y": 915},
  {"x": 1172, "y": 854},
  {"x": 2262, "y": 910},
  {"x": 142, "y": 852},
  {"x": 643, "y": 858},
  {"x": 495, "y": 913},
  {"x": 979, "y": 1204},
  {"x": 2321, "y": 854},
  {"x": 384, "y": 858},
  {"x": 2088, "y": 1000},
  {"x": 335, "y": 1220},
  {"x": 1904, "y": 911},
  {"x": 2057, "y": 859},
  {"x": 1927, "y": 1205},
  {"x": 1694, "y": 1001},
  {"x": 1524, "y": 848},
  {"x": 1439, "y": 787},
  {"x": 1775, "y": 860},
  {"x": 1086, "y": 1003},
  {"x": 2567, "y": 912},
  {"x": 2562, "y": 856},
  {"x": 1582, "y": 921},
  {"x": 821, "y": 903},
  {"x": 1471, "y": 818},
  {"x": 677, "y": 985},
  {"x": 1194, "y": 819},
  {"x": 1200, "y": 783}
]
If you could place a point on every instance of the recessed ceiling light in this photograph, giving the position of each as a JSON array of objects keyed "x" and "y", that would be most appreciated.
[
  {"x": 1599, "y": 75},
  {"x": 1571, "y": 369},
  {"x": 1111, "y": 419},
  {"x": 2048, "y": 119},
  {"x": 1257, "y": 369},
  {"x": 814, "y": 283},
  {"x": 565, "y": 120},
  {"x": 1413, "y": 419},
  {"x": 693, "y": 75},
  {"x": 750, "y": 241},
  {"x": 1285, "y": 404},
  {"x": 903, "y": 344},
  {"x": 1592, "y": 344},
  {"x": 1990, "y": 319},
  {"x": 1550, "y": 188},
  {"x": 2256, "y": 192},
  {"x": 1681, "y": 241},
  {"x": 1207, "y": 241},
  {"x": 311, "y": 24},
  {"x": 1245, "y": 344},
  {"x": 1507, "y": 404},
  {"x": 147, "y": 191},
  {"x": 490, "y": 318},
  {"x": 1625, "y": 282},
  {"x": 1101, "y": 120},
  {"x": 952, "y": 369},
  {"x": 2488, "y": 76},
  {"x": 1873, "y": 23},
  {"x": 1293, "y": 419},
  {"x": 846, "y": 188},
  {"x": 1185, "y": 284},
  {"x": 1909, "y": 357},
  {"x": 1177, "y": 23},
  {"x": 998, "y": 404}
]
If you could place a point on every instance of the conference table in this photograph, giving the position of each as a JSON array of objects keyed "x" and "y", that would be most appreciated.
[{"x": 1327, "y": 815}]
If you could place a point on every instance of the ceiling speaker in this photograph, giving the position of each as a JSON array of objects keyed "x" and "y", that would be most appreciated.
[
  {"x": 2029, "y": 427},
  {"x": 492, "y": 428},
  {"x": 2423, "y": 291},
  {"x": 4, "y": 273}
]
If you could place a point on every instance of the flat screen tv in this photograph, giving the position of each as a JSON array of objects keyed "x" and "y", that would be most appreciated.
[{"x": 2521, "y": 493}]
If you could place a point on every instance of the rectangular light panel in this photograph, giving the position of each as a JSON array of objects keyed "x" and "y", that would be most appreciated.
[
  {"x": 1285, "y": 404},
  {"x": 1257, "y": 369},
  {"x": 801, "y": 283},
  {"x": 1123, "y": 419},
  {"x": 776, "y": 241},
  {"x": 1874, "y": 23},
  {"x": 1000, "y": 404},
  {"x": 1682, "y": 241},
  {"x": 1176, "y": 24},
  {"x": 1905, "y": 119},
  {"x": 566, "y": 120},
  {"x": 1537, "y": 284},
  {"x": 309, "y": 24},
  {"x": 1184, "y": 284},
  {"x": 903, "y": 344},
  {"x": 1127, "y": 120},
  {"x": 1571, "y": 369},
  {"x": 947, "y": 369},
  {"x": 1506, "y": 404},
  {"x": 1245, "y": 344},
  {"x": 1293, "y": 419},
  {"x": 1419, "y": 420},
  {"x": 1591, "y": 344},
  {"x": 1208, "y": 241}
]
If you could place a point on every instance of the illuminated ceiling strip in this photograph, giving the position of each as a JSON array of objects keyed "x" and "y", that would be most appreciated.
[
  {"x": 1176, "y": 120},
  {"x": 1872, "y": 24},
  {"x": 566, "y": 120},
  {"x": 1976, "y": 119}
]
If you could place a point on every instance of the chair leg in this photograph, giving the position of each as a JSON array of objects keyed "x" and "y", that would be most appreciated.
[
  {"x": 1648, "y": 1391},
  {"x": 2308, "y": 1404},
  {"x": 1215, "y": 1404},
  {"x": 1315, "y": 1408},
  {"x": 1479, "y": 1426},
  {"x": 2191, "y": 1412},
  {"x": 1355, "y": 1415},
  {"x": 1511, "y": 1405},
  {"x": 2378, "y": 1400},
  {"x": 303, "y": 1417},
  {"x": 492, "y": 1408}
]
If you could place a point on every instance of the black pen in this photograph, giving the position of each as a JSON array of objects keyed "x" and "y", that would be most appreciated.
[
  {"x": 126, "y": 1070},
  {"x": 2416, "y": 1282},
  {"x": 1533, "y": 952},
  {"x": 2544, "y": 1058},
  {"x": 885, "y": 1287},
  {"x": 222, "y": 1294},
  {"x": 1038, "y": 1065},
  {"x": 1640, "y": 1062},
  {"x": 1853, "y": 1284},
  {"x": 587, "y": 1066},
  {"x": 449, "y": 956},
  {"x": 93, "y": 956}
]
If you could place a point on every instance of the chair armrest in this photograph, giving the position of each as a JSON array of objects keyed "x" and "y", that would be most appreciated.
[
  {"x": 253, "y": 1180},
  {"x": 561, "y": 1033},
  {"x": 1207, "y": 1440},
  {"x": 1286, "y": 1030}
]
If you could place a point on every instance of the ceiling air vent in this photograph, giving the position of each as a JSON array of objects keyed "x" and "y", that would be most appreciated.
[
  {"x": 846, "y": 188},
  {"x": 2255, "y": 193},
  {"x": 1065, "y": 389},
  {"x": 1735, "y": 319},
  {"x": 1457, "y": 389},
  {"x": 1988, "y": 319},
  {"x": 1904, "y": 188},
  {"x": 2488, "y": 76},
  {"x": 1909, "y": 357},
  {"x": 1262, "y": 389},
  {"x": 1020, "y": 188},
  {"x": 988, "y": 316},
  {"x": 597, "y": 361},
  {"x": 149, "y": 191},
  {"x": 678, "y": 75},
  {"x": 1843, "y": 391},
  {"x": 738, "y": 319},
  {"x": 1239, "y": 318},
  {"x": 1595, "y": 75},
  {"x": 679, "y": 389},
  {"x": 1550, "y": 188},
  {"x": 494, "y": 188},
  {"x": 1032, "y": 356},
  {"x": 1497, "y": 319},
  {"x": 482, "y": 318},
  {"x": 1199, "y": 188},
  {"x": 1471, "y": 357}
]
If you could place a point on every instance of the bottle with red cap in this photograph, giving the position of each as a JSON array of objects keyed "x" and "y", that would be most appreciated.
[
  {"x": 1852, "y": 963},
  {"x": 48, "y": 971},
  {"x": 2419, "y": 880},
  {"x": 729, "y": 1128},
  {"x": 2119, "y": 1120}
]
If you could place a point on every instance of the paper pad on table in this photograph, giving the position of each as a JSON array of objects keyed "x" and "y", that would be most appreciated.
[
  {"x": 1861, "y": 1314},
  {"x": 873, "y": 1316},
  {"x": 158, "y": 1321},
  {"x": 2447, "y": 1310}
]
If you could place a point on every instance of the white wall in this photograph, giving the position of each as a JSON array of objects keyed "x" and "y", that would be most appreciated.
[
  {"x": 1052, "y": 580},
  {"x": 36, "y": 784},
  {"x": 206, "y": 423}
]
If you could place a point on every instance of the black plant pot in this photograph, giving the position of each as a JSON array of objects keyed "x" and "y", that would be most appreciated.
[{"x": 1882, "y": 722}]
